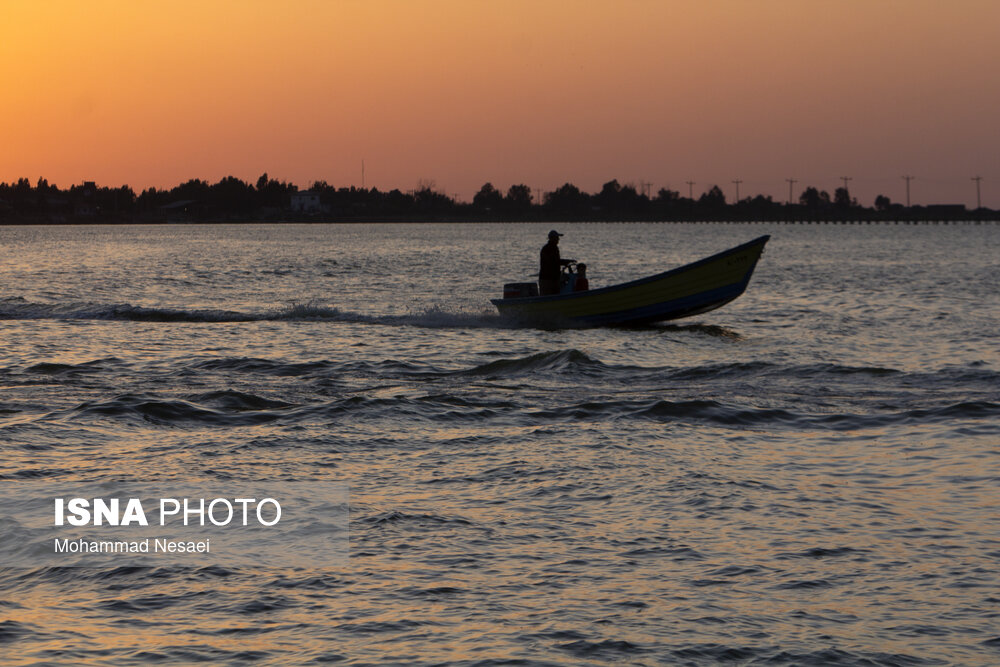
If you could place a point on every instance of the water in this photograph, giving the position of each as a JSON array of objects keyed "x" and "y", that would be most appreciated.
[{"x": 806, "y": 476}]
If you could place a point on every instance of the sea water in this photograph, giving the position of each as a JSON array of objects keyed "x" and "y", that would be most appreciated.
[{"x": 810, "y": 475}]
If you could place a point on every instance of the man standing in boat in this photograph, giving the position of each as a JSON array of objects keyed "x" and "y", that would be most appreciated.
[{"x": 550, "y": 265}]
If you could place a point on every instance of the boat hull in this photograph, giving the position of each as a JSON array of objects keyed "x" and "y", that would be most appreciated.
[{"x": 689, "y": 290}]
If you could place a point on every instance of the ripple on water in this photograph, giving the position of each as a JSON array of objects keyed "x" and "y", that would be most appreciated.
[{"x": 801, "y": 478}]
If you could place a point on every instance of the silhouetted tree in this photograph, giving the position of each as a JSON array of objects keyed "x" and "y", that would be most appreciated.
[
  {"x": 116, "y": 202},
  {"x": 518, "y": 199},
  {"x": 813, "y": 198},
  {"x": 488, "y": 198},
  {"x": 430, "y": 203},
  {"x": 231, "y": 196},
  {"x": 618, "y": 201},
  {"x": 666, "y": 205},
  {"x": 42, "y": 195},
  {"x": 760, "y": 208},
  {"x": 842, "y": 198},
  {"x": 21, "y": 194},
  {"x": 148, "y": 200},
  {"x": 20, "y": 202},
  {"x": 630, "y": 197},
  {"x": 274, "y": 194},
  {"x": 195, "y": 189},
  {"x": 665, "y": 195},
  {"x": 398, "y": 203},
  {"x": 567, "y": 200},
  {"x": 609, "y": 192},
  {"x": 715, "y": 197}
]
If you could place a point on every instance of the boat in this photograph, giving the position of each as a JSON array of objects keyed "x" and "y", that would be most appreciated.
[{"x": 688, "y": 290}]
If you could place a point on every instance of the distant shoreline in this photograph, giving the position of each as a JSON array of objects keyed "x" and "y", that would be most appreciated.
[
  {"x": 276, "y": 202},
  {"x": 461, "y": 221}
]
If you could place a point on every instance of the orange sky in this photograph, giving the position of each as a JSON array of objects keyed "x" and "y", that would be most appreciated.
[{"x": 460, "y": 92}]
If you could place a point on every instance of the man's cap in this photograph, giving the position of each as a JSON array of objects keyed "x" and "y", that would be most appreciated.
[{"x": 554, "y": 233}]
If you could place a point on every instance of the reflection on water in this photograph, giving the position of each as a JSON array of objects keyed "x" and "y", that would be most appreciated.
[{"x": 806, "y": 476}]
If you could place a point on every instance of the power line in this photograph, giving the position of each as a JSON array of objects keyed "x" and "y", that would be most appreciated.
[
  {"x": 737, "y": 182},
  {"x": 908, "y": 179},
  {"x": 690, "y": 189},
  {"x": 791, "y": 184}
]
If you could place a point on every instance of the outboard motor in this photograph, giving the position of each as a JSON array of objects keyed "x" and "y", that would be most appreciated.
[{"x": 519, "y": 290}]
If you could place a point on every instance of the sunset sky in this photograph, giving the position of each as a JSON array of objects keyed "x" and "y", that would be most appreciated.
[{"x": 461, "y": 92}]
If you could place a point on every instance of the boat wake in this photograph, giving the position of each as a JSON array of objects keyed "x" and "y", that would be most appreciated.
[{"x": 18, "y": 308}]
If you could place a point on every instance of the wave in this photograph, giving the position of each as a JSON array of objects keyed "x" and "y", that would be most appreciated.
[
  {"x": 736, "y": 415},
  {"x": 56, "y": 368},
  {"x": 419, "y": 520},
  {"x": 974, "y": 383},
  {"x": 713, "y": 653},
  {"x": 576, "y": 361},
  {"x": 558, "y": 360},
  {"x": 264, "y": 366},
  {"x": 11, "y": 631},
  {"x": 236, "y": 408},
  {"x": 223, "y": 408},
  {"x": 607, "y": 649}
]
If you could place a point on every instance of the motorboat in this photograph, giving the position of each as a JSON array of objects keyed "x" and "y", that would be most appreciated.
[{"x": 688, "y": 290}]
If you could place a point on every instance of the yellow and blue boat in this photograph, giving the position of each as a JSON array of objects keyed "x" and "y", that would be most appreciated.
[{"x": 691, "y": 289}]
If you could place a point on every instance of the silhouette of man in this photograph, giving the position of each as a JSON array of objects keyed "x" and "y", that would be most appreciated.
[{"x": 550, "y": 265}]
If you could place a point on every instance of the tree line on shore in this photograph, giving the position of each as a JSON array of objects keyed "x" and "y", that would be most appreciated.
[{"x": 270, "y": 200}]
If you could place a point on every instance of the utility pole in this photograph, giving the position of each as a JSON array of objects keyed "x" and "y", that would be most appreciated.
[
  {"x": 690, "y": 189},
  {"x": 791, "y": 184},
  {"x": 979, "y": 201},
  {"x": 907, "y": 179},
  {"x": 737, "y": 182},
  {"x": 845, "y": 179},
  {"x": 644, "y": 187},
  {"x": 362, "y": 174}
]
